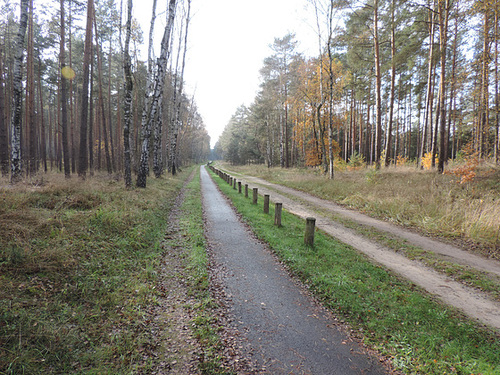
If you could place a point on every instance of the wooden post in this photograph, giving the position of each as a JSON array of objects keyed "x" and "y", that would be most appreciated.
[
  {"x": 266, "y": 203},
  {"x": 246, "y": 190},
  {"x": 255, "y": 195},
  {"x": 277, "y": 214},
  {"x": 239, "y": 187},
  {"x": 234, "y": 184},
  {"x": 309, "y": 235}
]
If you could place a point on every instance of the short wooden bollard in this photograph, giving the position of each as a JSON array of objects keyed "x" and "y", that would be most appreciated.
[
  {"x": 277, "y": 214},
  {"x": 309, "y": 235},
  {"x": 255, "y": 195},
  {"x": 234, "y": 184},
  {"x": 239, "y": 187},
  {"x": 266, "y": 203},
  {"x": 246, "y": 190}
]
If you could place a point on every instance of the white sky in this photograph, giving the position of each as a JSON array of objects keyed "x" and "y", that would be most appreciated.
[{"x": 228, "y": 41}]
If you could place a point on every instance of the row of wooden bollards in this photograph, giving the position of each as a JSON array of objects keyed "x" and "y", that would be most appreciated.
[{"x": 237, "y": 185}]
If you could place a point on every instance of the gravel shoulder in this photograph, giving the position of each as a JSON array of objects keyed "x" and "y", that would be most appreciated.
[{"x": 473, "y": 303}]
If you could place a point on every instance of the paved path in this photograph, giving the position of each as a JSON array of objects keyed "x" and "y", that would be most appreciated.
[
  {"x": 283, "y": 330},
  {"x": 473, "y": 303}
]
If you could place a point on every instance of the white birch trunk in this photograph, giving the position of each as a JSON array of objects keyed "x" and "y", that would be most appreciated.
[{"x": 17, "y": 90}]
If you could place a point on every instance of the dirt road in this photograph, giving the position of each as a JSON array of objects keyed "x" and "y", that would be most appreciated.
[
  {"x": 281, "y": 328},
  {"x": 472, "y": 302}
]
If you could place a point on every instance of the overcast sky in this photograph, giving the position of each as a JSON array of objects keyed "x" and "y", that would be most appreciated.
[{"x": 228, "y": 41}]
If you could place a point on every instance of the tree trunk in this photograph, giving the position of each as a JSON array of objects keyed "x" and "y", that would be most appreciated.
[
  {"x": 30, "y": 99},
  {"x": 109, "y": 164},
  {"x": 127, "y": 110},
  {"x": 378, "y": 87},
  {"x": 151, "y": 106},
  {"x": 429, "y": 95},
  {"x": 17, "y": 90},
  {"x": 444, "y": 8},
  {"x": 388, "y": 138},
  {"x": 91, "y": 119},
  {"x": 497, "y": 94},
  {"x": 83, "y": 158},
  {"x": 64, "y": 95},
  {"x": 4, "y": 139},
  {"x": 484, "y": 101}
]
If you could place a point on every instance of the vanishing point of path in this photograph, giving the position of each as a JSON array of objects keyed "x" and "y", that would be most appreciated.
[
  {"x": 473, "y": 303},
  {"x": 281, "y": 329}
]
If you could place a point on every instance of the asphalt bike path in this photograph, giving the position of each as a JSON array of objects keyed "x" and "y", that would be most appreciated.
[
  {"x": 281, "y": 328},
  {"x": 473, "y": 303}
]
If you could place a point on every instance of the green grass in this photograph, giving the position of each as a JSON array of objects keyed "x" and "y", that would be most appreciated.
[
  {"x": 77, "y": 274},
  {"x": 420, "y": 335}
]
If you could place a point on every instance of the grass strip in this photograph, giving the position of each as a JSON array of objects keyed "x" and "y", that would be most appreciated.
[{"x": 393, "y": 316}]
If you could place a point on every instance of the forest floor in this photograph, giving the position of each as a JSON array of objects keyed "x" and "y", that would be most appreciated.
[{"x": 335, "y": 219}]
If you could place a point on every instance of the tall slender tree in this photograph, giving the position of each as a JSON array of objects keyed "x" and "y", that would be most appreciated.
[
  {"x": 84, "y": 102},
  {"x": 129, "y": 87},
  {"x": 17, "y": 90},
  {"x": 64, "y": 96},
  {"x": 4, "y": 138}
]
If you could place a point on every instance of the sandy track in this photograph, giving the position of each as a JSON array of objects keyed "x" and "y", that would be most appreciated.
[{"x": 473, "y": 303}]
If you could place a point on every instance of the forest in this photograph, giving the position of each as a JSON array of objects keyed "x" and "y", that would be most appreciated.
[
  {"x": 75, "y": 95},
  {"x": 394, "y": 82}
]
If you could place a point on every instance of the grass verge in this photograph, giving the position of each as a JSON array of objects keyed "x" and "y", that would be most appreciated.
[
  {"x": 78, "y": 262},
  {"x": 393, "y": 316}
]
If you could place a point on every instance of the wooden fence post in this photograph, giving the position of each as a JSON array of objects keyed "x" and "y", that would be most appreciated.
[
  {"x": 234, "y": 184},
  {"x": 255, "y": 195},
  {"x": 309, "y": 235},
  {"x": 246, "y": 190},
  {"x": 266, "y": 203},
  {"x": 277, "y": 214},
  {"x": 239, "y": 187}
]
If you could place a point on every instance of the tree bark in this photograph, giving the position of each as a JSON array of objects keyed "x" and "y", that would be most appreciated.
[
  {"x": 444, "y": 8},
  {"x": 4, "y": 139},
  {"x": 388, "y": 138},
  {"x": 429, "y": 95},
  {"x": 64, "y": 95},
  {"x": 127, "y": 111},
  {"x": 83, "y": 158},
  {"x": 378, "y": 87},
  {"x": 17, "y": 89},
  {"x": 109, "y": 164},
  {"x": 151, "y": 106},
  {"x": 30, "y": 99}
]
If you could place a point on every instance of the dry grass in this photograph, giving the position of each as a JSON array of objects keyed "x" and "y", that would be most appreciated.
[
  {"x": 78, "y": 263},
  {"x": 432, "y": 203}
]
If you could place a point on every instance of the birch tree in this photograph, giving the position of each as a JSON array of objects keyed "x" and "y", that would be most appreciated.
[
  {"x": 17, "y": 90},
  {"x": 151, "y": 106},
  {"x": 176, "y": 122},
  {"x": 129, "y": 86}
]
